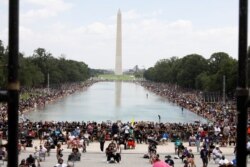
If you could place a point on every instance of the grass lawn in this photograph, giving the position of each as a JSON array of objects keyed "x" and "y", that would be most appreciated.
[
  {"x": 24, "y": 96},
  {"x": 117, "y": 77}
]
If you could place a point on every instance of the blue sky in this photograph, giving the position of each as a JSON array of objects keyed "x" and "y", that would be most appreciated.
[{"x": 152, "y": 29}]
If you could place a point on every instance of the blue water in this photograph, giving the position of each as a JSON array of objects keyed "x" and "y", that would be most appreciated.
[{"x": 114, "y": 101}]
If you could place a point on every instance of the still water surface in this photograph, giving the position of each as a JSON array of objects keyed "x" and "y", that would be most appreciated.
[{"x": 114, "y": 101}]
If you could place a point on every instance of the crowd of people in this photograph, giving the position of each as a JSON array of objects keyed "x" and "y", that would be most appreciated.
[
  {"x": 194, "y": 101},
  {"x": 77, "y": 135},
  {"x": 221, "y": 131},
  {"x": 222, "y": 127}
]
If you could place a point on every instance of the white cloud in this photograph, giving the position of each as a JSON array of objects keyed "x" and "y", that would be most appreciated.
[
  {"x": 156, "y": 13},
  {"x": 96, "y": 28},
  {"x": 130, "y": 15},
  {"x": 181, "y": 24},
  {"x": 45, "y": 8},
  {"x": 53, "y": 3},
  {"x": 145, "y": 40},
  {"x": 5, "y": 2}
]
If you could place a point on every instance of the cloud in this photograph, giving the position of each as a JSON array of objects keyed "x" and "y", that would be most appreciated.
[
  {"x": 145, "y": 40},
  {"x": 96, "y": 28},
  {"x": 130, "y": 15},
  {"x": 45, "y": 3},
  {"x": 45, "y": 8},
  {"x": 4, "y": 2},
  {"x": 134, "y": 15}
]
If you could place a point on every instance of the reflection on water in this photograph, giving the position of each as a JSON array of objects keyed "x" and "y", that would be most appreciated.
[
  {"x": 114, "y": 101},
  {"x": 118, "y": 91}
]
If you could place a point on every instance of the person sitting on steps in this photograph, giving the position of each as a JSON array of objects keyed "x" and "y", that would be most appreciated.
[{"x": 111, "y": 152}]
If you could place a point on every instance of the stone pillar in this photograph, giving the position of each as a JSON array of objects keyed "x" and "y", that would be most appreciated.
[{"x": 118, "y": 57}]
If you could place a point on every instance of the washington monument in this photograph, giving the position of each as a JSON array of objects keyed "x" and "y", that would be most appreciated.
[{"x": 118, "y": 57}]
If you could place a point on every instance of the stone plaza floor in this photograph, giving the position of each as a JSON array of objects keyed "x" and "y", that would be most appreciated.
[{"x": 130, "y": 158}]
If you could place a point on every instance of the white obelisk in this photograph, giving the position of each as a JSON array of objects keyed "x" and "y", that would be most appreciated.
[{"x": 118, "y": 57}]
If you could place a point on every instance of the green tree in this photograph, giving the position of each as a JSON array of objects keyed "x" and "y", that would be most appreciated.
[
  {"x": 43, "y": 60},
  {"x": 30, "y": 74},
  {"x": 163, "y": 70},
  {"x": 221, "y": 64},
  {"x": 3, "y": 65},
  {"x": 190, "y": 67},
  {"x": 150, "y": 74}
]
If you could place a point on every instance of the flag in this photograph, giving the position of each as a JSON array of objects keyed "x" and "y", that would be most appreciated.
[{"x": 132, "y": 122}]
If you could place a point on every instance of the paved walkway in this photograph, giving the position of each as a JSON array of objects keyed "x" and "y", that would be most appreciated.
[{"x": 130, "y": 158}]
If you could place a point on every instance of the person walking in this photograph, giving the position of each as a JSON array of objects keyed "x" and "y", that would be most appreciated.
[
  {"x": 204, "y": 156},
  {"x": 198, "y": 142},
  {"x": 102, "y": 140},
  {"x": 59, "y": 151}
]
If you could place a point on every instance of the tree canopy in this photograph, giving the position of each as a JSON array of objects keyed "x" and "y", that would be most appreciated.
[
  {"x": 196, "y": 72},
  {"x": 34, "y": 70}
]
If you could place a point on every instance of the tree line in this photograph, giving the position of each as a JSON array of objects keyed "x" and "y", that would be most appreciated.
[
  {"x": 35, "y": 70},
  {"x": 195, "y": 72}
]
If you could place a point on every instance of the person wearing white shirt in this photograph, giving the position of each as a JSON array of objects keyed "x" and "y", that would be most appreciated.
[
  {"x": 60, "y": 163},
  {"x": 126, "y": 131},
  {"x": 217, "y": 154},
  {"x": 217, "y": 130},
  {"x": 42, "y": 149},
  {"x": 70, "y": 140},
  {"x": 86, "y": 136},
  {"x": 200, "y": 129},
  {"x": 36, "y": 156},
  {"x": 223, "y": 161},
  {"x": 42, "y": 152}
]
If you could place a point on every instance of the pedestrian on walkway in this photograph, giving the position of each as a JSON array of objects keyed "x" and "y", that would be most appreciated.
[
  {"x": 59, "y": 152},
  {"x": 198, "y": 142},
  {"x": 204, "y": 156},
  {"x": 102, "y": 140}
]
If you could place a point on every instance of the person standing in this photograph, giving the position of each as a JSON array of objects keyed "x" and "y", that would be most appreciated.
[
  {"x": 198, "y": 142},
  {"x": 59, "y": 151},
  {"x": 204, "y": 156},
  {"x": 36, "y": 156},
  {"x": 102, "y": 140},
  {"x": 159, "y": 118},
  {"x": 217, "y": 131}
]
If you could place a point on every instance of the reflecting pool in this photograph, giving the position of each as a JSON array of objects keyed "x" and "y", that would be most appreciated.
[{"x": 114, "y": 101}]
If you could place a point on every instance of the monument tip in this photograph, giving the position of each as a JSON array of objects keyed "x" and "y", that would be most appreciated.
[{"x": 119, "y": 11}]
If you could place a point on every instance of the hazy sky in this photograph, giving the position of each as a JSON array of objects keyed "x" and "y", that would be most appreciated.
[{"x": 85, "y": 30}]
